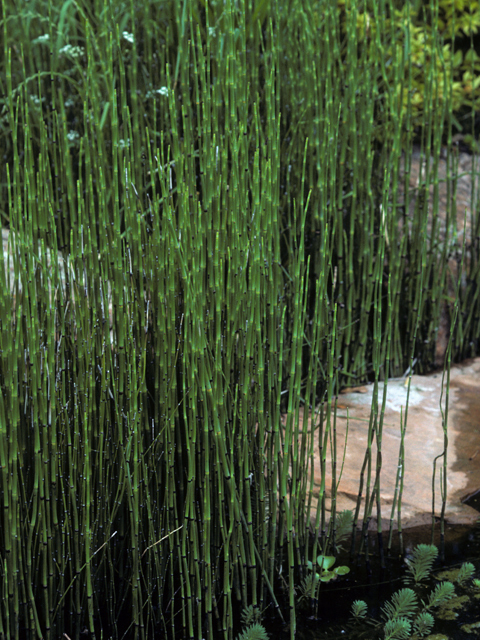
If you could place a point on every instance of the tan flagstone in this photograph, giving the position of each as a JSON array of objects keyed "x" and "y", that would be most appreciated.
[{"x": 424, "y": 440}]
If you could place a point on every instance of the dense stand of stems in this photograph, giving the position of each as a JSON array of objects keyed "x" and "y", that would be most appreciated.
[{"x": 205, "y": 237}]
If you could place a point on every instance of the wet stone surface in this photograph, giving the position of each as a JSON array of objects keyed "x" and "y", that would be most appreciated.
[{"x": 424, "y": 441}]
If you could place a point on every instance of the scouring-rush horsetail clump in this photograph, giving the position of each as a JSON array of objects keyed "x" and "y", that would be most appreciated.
[{"x": 203, "y": 235}]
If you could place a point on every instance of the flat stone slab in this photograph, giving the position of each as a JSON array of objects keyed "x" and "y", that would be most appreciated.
[{"x": 424, "y": 441}]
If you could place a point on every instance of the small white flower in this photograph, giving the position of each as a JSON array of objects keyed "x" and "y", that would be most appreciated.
[
  {"x": 128, "y": 36},
  {"x": 44, "y": 38},
  {"x": 163, "y": 91},
  {"x": 73, "y": 52},
  {"x": 73, "y": 135},
  {"x": 122, "y": 144},
  {"x": 211, "y": 32}
]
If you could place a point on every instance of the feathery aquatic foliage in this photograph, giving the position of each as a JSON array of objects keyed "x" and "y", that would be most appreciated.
[
  {"x": 254, "y": 632},
  {"x": 404, "y": 612},
  {"x": 251, "y": 615},
  {"x": 466, "y": 572},
  {"x": 343, "y": 526},
  {"x": 442, "y": 592},
  {"x": 359, "y": 609},
  {"x": 423, "y": 624},
  {"x": 397, "y": 629},
  {"x": 403, "y": 604},
  {"x": 419, "y": 567}
]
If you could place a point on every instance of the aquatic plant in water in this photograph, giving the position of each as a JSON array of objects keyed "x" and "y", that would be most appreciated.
[
  {"x": 325, "y": 564},
  {"x": 251, "y": 620},
  {"x": 410, "y": 611},
  {"x": 254, "y": 632}
]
